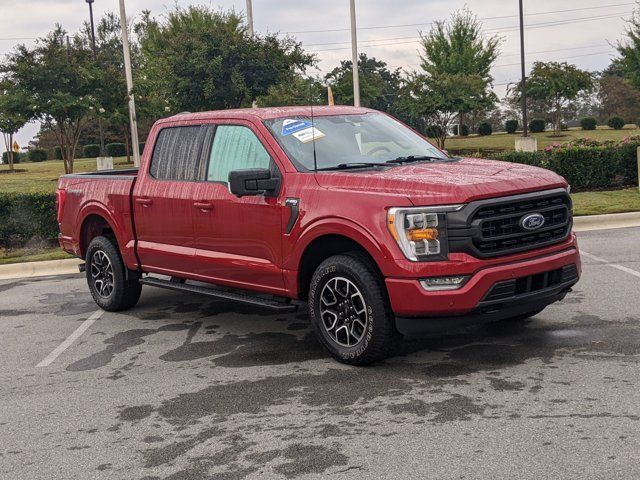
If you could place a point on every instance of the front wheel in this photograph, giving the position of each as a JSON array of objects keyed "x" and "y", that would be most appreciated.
[
  {"x": 350, "y": 312},
  {"x": 112, "y": 286}
]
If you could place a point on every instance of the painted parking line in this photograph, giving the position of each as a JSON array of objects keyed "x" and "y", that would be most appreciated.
[
  {"x": 622, "y": 268},
  {"x": 70, "y": 339}
]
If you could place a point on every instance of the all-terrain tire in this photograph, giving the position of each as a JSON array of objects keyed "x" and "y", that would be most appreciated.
[
  {"x": 112, "y": 286},
  {"x": 342, "y": 277}
]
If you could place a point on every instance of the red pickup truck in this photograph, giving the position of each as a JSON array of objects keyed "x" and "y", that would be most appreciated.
[{"x": 380, "y": 232}]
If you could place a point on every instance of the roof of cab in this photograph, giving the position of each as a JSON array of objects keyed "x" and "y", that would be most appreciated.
[{"x": 268, "y": 113}]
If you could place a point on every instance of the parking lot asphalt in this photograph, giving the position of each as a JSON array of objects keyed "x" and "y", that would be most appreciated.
[{"x": 183, "y": 387}]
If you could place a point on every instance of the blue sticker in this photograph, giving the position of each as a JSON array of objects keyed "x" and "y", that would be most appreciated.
[{"x": 292, "y": 126}]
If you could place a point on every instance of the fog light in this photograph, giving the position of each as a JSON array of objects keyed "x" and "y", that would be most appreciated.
[{"x": 444, "y": 283}]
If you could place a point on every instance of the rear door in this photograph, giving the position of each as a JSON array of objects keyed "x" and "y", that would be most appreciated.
[
  {"x": 163, "y": 199},
  {"x": 238, "y": 240}
]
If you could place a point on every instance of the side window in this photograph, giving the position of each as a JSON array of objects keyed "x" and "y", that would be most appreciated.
[
  {"x": 178, "y": 152},
  {"x": 235, "y": 148}
]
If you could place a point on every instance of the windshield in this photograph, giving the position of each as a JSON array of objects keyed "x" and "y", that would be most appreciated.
[{"x": 343, "y": 141}]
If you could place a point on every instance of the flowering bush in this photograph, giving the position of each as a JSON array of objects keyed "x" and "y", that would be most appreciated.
[{"x": 587, "y": 164}]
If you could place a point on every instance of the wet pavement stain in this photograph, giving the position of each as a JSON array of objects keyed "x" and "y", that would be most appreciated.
[{"x": 120, "y": 343}]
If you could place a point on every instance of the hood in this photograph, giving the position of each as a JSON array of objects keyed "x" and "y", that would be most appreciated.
[{"x": 446, "y": 183}]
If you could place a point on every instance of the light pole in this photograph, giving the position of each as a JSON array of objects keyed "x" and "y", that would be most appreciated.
[
  {"x": 354, "y": 56},
  {"x": 250, "y": 17},
  {"x": 525, "y": 126},
  {"x": 135, "y": 145},
  {"x": 95, "y": 58}
]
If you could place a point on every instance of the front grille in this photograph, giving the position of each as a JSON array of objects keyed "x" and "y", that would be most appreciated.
[
  {"x": 510, "y": 289},
  {"x": 491, "y": 228}
]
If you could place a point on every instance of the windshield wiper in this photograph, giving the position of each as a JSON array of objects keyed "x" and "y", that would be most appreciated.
[
  {"x": 415, "y": 158},
  {"x": 348, "y": 166}
]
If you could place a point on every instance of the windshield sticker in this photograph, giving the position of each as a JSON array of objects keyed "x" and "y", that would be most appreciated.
[
  {"x": 290, "y": 127},
  {"x": 309, "y": 134}
]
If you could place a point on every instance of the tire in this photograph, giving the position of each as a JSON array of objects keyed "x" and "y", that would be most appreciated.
[
  {"x": 358, "y": 328},
  {"x": 112, "y": 286}
]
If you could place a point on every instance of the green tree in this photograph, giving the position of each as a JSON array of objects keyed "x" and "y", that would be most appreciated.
[
  {"x": 456, "y": 70},
  {"x": 379, "y": 86},
  {"x": 198, "y": 59},
  {"x": 60, "y": 77},
  {"x": 298, "y": 90},
  {"x": 617, "y": 97},
  {"x": 556, "y": 85},
  {"x": 15, "y": 112},
  {"x": 628, "y": 63}
]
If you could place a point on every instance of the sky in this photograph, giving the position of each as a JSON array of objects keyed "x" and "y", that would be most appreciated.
[{"x": 582, "y": 32}]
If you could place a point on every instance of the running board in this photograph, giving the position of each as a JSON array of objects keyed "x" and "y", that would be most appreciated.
[{"x": 279, "y": 306}]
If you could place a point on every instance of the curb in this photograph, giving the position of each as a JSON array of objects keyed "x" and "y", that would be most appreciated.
[
  {"x": 65, "y": 267},
  {"x": 39, "y": 269},
  {"x": 606, "y": 222}
]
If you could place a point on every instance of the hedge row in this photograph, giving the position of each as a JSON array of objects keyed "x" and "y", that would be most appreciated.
[
  {"x": 25, "y": 217},
  {"x": 586, "y": 167}
]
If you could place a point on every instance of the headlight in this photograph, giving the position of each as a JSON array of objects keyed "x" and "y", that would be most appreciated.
[{"x": 421, "y": 233}]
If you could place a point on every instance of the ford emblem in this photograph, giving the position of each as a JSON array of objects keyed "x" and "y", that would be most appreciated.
[{"x": 532, "y": 222}]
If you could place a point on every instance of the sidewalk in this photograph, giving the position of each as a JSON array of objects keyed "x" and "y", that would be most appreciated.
[{"x": 63, "y": 267}]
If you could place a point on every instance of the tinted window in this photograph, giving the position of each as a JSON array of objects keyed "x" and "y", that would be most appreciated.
[
  {"x": 178, "y": 153},
  {"x": 235, "y": 148}
]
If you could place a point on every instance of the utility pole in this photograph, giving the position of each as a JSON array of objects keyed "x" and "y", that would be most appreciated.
[
  {"x": 95, "y": 58},
  {"x": 135, "y": 145},
  {"x": 250, "y": 17},
  {"x": 354, "y": 56},
  {"x": 525, "y": 122}
]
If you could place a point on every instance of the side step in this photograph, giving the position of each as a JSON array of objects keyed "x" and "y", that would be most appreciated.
[{"x": 284, "y": 306}]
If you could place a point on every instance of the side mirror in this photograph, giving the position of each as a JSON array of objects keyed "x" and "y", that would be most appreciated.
[{"x": 253, "y": 181}]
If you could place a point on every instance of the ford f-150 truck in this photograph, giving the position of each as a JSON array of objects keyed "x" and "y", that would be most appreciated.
[{"x": 381, "y": 233}]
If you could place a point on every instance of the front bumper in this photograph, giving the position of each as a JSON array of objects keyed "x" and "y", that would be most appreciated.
[{"x": 418, "y": 310}]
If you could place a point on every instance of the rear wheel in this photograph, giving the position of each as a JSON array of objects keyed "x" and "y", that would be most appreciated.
[
  {"x": 112, "y": 286},
  {"x": 350, "y": 312}
]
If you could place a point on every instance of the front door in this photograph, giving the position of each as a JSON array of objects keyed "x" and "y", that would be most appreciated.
[{"x": 238, "y": 240}]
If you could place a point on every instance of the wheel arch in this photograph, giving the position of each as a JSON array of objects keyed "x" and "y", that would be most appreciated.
[{"x": 327, "y": 245}]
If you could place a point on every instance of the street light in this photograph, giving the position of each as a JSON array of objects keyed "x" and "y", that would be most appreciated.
[
  {"x": 127, "y": 71},
  {"x": 354, "y": 56},
  {"x": 95, "y": 58}
]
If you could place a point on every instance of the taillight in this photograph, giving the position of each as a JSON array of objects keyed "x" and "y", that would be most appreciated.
[{"x": 61, "y": 197}]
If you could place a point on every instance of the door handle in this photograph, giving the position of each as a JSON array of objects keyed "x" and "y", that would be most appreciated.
[
  {"x": 203, "y": 205},
  {"x": 144, "y": 201}
]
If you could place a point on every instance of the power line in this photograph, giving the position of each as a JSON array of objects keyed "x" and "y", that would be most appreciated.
[
  {"x": 502, "y": 30},
  {"x": 482, "y": 18}
]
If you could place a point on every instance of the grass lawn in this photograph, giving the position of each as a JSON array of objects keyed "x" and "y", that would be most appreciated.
[
  {"x": 507, "y": 141},
  {"x": 599, "y": 203},
  {"x": 20, "y": 255},
  {"x": 43, "y": 176}
]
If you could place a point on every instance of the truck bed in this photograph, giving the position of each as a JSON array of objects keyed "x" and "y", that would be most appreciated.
[{"x": 106, "y": 194}]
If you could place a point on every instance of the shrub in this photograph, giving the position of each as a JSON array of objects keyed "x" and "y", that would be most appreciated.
[
  {"x": 485, "y": 129},
  {"x": 563, "y": 127},
  {"x": 37, "y": 155},
  {"x": 465, "y": 130},
  {"x": 17, "y": 156},
  {"x": 586, "y": 164},
  {"x": 536, "y": 159},
  {"x": 115, "y": 149},
  {"x": 537, "y": 125},
  {"x": 588, "y": 123},
  {"x": 91, "y": 151},
  {"x": 511, "y": 126},
  {"x": 27, "y": 216},
  {"x": 57, "y": 153},
  {"x": 617, "y": 123}
]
